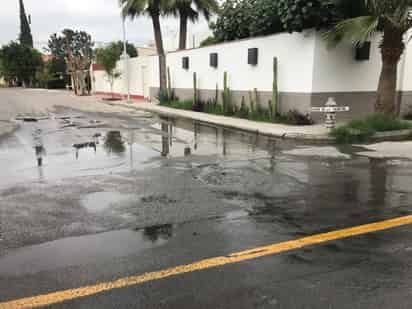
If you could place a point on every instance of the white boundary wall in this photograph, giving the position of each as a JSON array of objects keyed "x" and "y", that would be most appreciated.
[
  {"x": 306, "y": 66},
  {"x": 336, "y": 70},
  {"x": 294, "y": 53},
  {"x": 140, "y": 75}
]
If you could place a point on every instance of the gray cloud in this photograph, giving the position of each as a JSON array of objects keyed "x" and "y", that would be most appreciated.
[{"x": 101, "y": 18}]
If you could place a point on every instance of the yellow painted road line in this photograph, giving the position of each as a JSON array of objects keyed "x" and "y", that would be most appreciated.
[{"x": 66, "y": 295}]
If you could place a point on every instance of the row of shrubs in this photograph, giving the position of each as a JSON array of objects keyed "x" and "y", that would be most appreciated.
[
  {"x": 356, "y": 131},
  {"x": 252, "y": 111},
  {"x": 359, "y": 131}
]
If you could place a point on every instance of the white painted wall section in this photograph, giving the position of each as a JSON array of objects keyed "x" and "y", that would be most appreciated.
[
  {"x": 140, "y": 77},
  {"x": 337, "y": 70},
  {"x": 295, "y": 53},
  {"x": 406, "y": 69},
  {"x": 305, "y": 65}
]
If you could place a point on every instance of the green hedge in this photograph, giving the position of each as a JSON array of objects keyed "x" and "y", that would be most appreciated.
[{"x": 362, "y": 130}]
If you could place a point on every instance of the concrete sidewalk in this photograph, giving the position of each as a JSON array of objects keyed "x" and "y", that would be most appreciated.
[
  {"x": 316, "y": 132},
  {"x": 44, "y": 101}
]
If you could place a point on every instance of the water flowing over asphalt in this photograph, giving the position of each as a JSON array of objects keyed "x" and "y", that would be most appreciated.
[
  {"x": 102, "y": 172},
  {"x": 136, "y": 187}
]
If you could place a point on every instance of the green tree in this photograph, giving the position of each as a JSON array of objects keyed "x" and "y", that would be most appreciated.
[
  {"x": 130, "y": 49},
  {"x": 210, "y": 40},
  {"x": 56, "y": 46},
  {"x": 153, "y": 8},
  {"x": 393, "y": 19},
  {"x": 57, "y": 66},
  {"x": 1, "y": 68},
  {"x": 297, "y": 15},
  {"x": 108, "y": 57},
  {"x": 265, "y": 18},
  {"x": 20, "y": 63},
  {"x": 75, "y": 49},
  {"x": 240, "y": 19},
  {"x": 189, "y": 10},
  {"x": 52, "y": 75},
  {"x": 233, "y": 21},
  {"x": 26, "y": 37}
]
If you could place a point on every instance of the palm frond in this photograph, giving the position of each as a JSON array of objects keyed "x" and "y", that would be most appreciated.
[
  {"x": 206, "y": 7},
  {"x": 134, "y": 8},
  {"x": 400, "y": 17},
  {"x": 356, "y": 30}
]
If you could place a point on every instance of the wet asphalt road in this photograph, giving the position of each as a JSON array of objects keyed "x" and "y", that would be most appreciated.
[{"x": 136, "y": 203}]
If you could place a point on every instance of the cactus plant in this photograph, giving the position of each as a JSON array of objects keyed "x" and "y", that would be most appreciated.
[
  {"x": 224, "y": 100},
  {"x": 257, "y": 100},
  {"x": 195, "y": 93},
  {"x": 226, "y": 96},
  {"x": 270, "y": 110},
  {"x": 216, "y": 96},
  {"x": 169, "y": 84},
  {"x": 275, "y": 91},
  {"x": 251, "y": 103},
  {"x": 244, "y": 110}
]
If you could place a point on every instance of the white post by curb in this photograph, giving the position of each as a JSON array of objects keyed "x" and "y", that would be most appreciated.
[{"x": 330, "y": 111}]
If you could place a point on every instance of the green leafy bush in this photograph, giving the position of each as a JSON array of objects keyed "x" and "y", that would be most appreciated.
[
  {"x": 210, "y": 40},
  {"x": 186, "y": 105},
  {"x": 240, "y": 19},
  {"x": 382, "y": 122},
  {"x": 408, "y": 116},
  {"x": 348, "y": 135},
  {"x": 165, "y": 97},
  {"x": 258, "y": 113},
  {"x": 243, "y": 112},
  {"x": 212, "y": 107},
  {"x": 294, "y": 117},
  {"x": 362, "y": 130},
  {"x": 297, "y": 15}
]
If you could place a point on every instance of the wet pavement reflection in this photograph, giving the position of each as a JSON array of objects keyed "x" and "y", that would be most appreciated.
[
  {"x": 114, "y": 143},
  {"x": 100, "y": 173}
]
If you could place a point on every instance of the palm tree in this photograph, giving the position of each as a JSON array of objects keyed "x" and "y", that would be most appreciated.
[
  {"x": 391, "y": 18},
  {"x": 186, "y": 12},
  {"x": 153, "y": 8}
]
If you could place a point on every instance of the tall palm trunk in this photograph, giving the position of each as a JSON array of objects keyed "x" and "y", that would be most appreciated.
[
  {"x": 183, "y": 30},
  {"x": 392, "y": 48},
  {"x": 160, "y": 50}
]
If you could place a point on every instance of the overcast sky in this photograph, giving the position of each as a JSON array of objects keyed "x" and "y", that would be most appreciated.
[{"x": 101, "y": 18}]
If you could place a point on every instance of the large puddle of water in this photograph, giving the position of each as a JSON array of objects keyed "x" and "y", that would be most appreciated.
[
  {"x": 166, "y": 172},
  {"x": 83, "y": 250},
  {"x": 71, "y": 146}
]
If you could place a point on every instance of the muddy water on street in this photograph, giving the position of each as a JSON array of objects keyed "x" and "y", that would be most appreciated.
[{"x": 110, "y": 172}]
